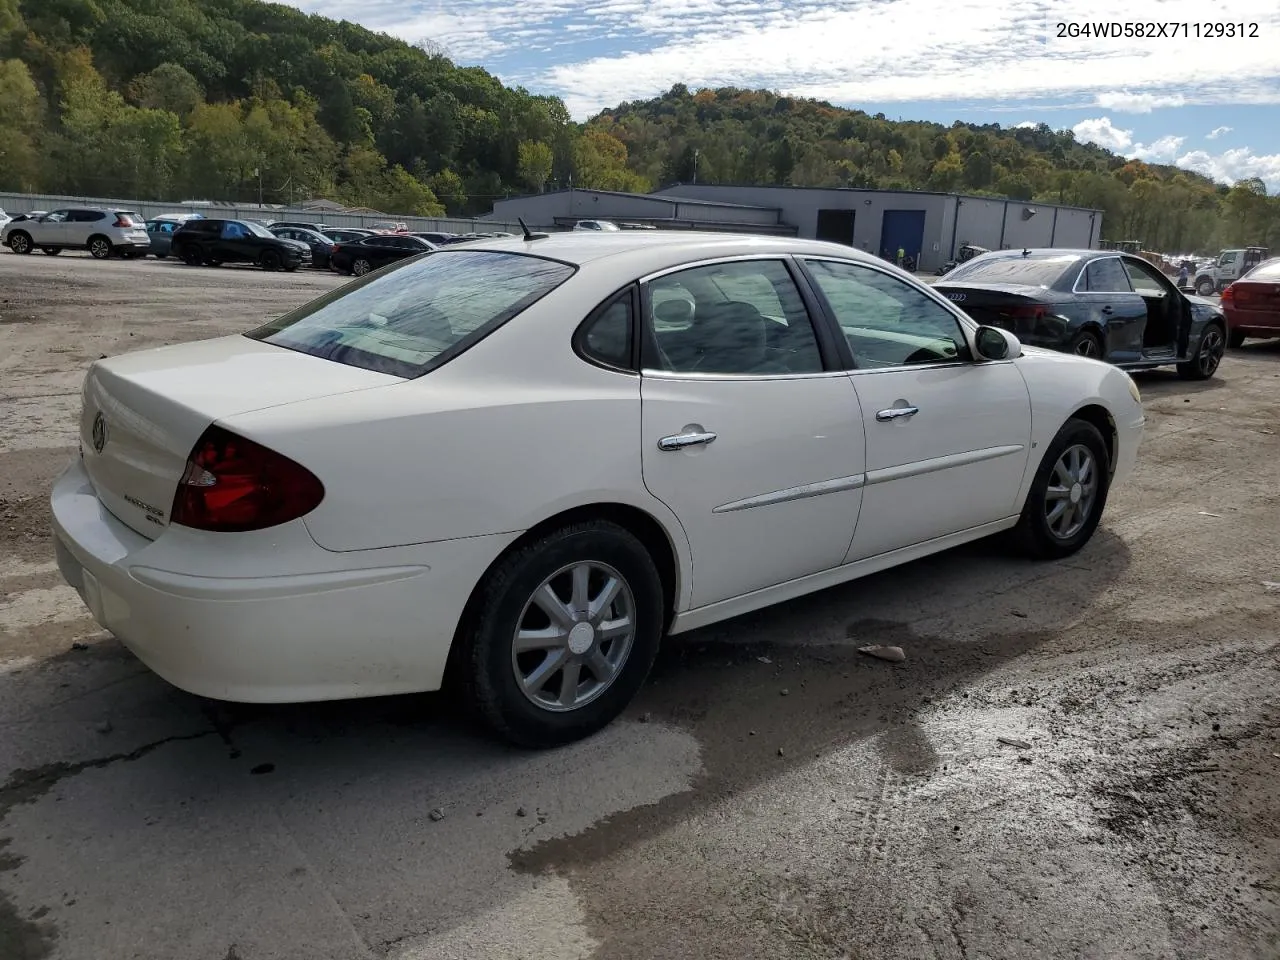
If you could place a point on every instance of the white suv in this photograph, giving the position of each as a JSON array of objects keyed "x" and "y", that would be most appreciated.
[{"x": 100, "y": 231}]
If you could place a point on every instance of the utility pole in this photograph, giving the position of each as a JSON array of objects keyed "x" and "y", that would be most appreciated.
[{"x": 695, "y": 164}]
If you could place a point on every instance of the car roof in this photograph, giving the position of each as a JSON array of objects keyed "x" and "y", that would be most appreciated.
[{"x": 661, "y": 247}]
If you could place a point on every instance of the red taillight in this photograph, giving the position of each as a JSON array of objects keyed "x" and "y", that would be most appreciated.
[
  {"x": 233, "y": 485},
  {"x": 1024, "y": 311},
  {"x": 1229, "y": 294},
  {"x": 123, "y": 220}
]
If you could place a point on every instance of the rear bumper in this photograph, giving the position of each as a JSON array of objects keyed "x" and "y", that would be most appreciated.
[{"x": 268, "y": 617}]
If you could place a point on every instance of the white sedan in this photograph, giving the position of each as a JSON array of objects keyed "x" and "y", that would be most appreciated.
[{"x": 522, "y": 461}]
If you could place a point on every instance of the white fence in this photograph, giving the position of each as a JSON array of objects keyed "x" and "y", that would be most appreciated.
[{"x": 16, "y": 203}]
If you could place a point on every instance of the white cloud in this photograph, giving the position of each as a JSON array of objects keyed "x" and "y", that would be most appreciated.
[
  {"x": 1240, "y": 163},
  {"x": 1027, "y": 124},
  {"x": 1126, "y": 102},
  {"x": 1216, "y": 132},
  {"x": 1104, "y": 133},
  {"x": 905, "y": 50},
  {"x": 1228, "y": 166}
]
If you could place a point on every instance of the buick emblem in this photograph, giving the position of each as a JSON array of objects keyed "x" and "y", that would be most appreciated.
[
  {"x": 957, "y": 297},
  {"x": 99, "y": 433}
]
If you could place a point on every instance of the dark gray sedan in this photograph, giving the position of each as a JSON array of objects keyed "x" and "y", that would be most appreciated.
[{"x": 1095, "y": 303}]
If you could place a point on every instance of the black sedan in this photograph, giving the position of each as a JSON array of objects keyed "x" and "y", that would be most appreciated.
[
  {"x": 377, "y": 251},
  {"x": 321, "y": 246},
  {"x": 1095, "y": 303}
]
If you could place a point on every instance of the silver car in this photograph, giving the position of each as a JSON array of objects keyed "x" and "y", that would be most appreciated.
[{"x": 101, "y": 231}]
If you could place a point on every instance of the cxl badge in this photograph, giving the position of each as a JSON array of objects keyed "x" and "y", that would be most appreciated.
[{"x": 99, "y": 432}]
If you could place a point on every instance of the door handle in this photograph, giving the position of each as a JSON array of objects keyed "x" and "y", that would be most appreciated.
[
  {"x": 679, "y": 441},
  {"x": 1107, "y": 309},
  {"x": 896, "y": 413}
]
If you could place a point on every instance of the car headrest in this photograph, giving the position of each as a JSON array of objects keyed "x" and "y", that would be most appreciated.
[{"x": 677, "y": 312}]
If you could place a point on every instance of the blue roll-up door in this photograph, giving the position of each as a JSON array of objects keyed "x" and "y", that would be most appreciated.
[{"x": 902, "y": 228}]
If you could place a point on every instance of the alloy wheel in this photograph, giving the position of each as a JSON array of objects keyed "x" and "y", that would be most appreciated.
[
  {"x": 360, "y": 267},
  {"x": 1212, "y": 346},
  {"x": 1088, "y": 347},
  {"x": 20, "y": 244},
  {"x": 573, "y": 636},
  {"x": 100, "y": 249},
  {"x": 1072, "y": 491}
]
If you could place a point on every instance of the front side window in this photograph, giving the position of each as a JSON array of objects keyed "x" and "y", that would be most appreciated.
[
  {"x": 1145, "y": 280},
  {"x": 741, "y": 318},
  {"x": 887, "y": 322},
  {"x": 234, "y": 231},
  {"x": 411, "y": 317}
]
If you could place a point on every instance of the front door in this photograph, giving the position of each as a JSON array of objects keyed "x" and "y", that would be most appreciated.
[
  {"x": 750, "y": 431},
  {"x": 51, "y": 230},
  {"x": 947, "y": 437}
]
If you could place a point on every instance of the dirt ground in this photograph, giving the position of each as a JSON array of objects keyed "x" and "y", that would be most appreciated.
[{"x": 1076, "y": 760}]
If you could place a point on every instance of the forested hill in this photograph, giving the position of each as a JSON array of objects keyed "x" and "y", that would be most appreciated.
[
  {"x": 188, "y": 98},
  {"x": 227, "y": 99},
  {"x": 754, "y": 136}
]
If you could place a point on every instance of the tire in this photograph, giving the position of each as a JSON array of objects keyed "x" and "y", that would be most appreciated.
[
  {"x": 493, "y": 669},
  {"x": 1205, "y": 287},
  {"x": 1235, "y": 340},
  {"x": 360, "y": 267},
  {"x": 270, "y": 260},
  {"x": 1087, "y": 344},
  {"x": 99, "y": 248},
  {"x": 51, "y": 251},
  {"x": 20, "y": 242},
  {"x": 191, "y": 256},
  {"x": 1042, "y": 531},
  {"x": 1213, "y": 343}
]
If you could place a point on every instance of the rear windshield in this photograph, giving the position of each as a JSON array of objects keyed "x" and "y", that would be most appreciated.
[
  {"x": 1030, "y": 271},
  {"x": 419, "y": 313},
  {"x": 1268, "y": 270}
]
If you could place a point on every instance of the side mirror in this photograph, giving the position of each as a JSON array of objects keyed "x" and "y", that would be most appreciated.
[{"x": 992, "y": 343}]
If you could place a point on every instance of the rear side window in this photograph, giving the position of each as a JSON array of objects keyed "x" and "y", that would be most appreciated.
[
  {"x": 1266, "y": 272},
  {"x": 419, "y": 314}
]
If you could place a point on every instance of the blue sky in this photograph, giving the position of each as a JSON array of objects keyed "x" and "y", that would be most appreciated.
[{"x": 1210, "y": 104}]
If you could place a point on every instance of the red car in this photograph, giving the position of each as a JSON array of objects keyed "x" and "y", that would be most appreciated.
[{"x": 1252, "y": 304}]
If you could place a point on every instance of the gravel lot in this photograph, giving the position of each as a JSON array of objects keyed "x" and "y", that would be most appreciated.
[{"x": 771, "y": 794}]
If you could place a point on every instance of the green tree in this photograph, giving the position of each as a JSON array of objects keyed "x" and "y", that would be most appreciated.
[
  {"x": 535, "y": 164},
  {"x": 167, "y": 87},
  {"x": 20, "y": 114}
]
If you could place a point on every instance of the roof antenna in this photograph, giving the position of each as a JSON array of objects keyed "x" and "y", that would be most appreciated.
[{"x": 529, "y": 234}]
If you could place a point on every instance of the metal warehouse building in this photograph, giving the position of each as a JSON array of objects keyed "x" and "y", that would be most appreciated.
[{"x": 928, "y": 226}]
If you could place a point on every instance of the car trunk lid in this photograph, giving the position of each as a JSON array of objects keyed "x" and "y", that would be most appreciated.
[
  {"x": 1011, "y": 306},
  {"x": 142, "y": 413},
  {"x": 1256, "y": 297}
]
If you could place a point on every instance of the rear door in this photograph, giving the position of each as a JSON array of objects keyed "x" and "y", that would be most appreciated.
[
  {"x": 1117, "y": 310},
  {"x": 750, "y": 432},
  {"x": 83, "y": 224},
  {"x": 947, "y": 437}
]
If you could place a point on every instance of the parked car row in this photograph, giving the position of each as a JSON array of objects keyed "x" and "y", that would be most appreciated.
[{"x": 197, "y": 239}]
